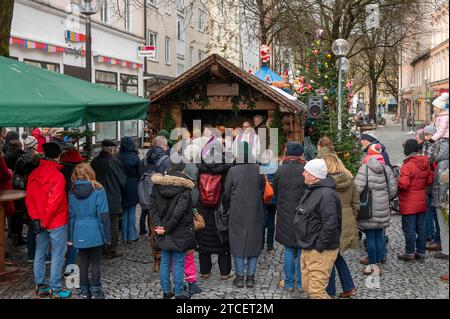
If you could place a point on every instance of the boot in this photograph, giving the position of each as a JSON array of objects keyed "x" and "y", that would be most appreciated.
[
  {"x": 170, "y": 295},
  {"x": 239, "y": 282},
  {"x": 250, "y": 282},
  {"x": 194, "y": 289},
  {"x": 157, "y": 264},
  {"x": 85, "y": 292},
  {"x": 97, "y": 292},
  {"x": 183, "y": 296}
]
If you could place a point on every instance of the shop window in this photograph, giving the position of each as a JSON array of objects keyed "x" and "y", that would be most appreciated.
[
  {"x": 129, "y": 84},
  {"x": 42, "y": 64},
  {"x": 106, "y": 130},
  {"x": 129, "y": 128},
  {"x": 108, "y": 79}
]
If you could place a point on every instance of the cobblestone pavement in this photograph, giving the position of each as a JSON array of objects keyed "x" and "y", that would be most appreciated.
[{"x": 131, "y": 276}]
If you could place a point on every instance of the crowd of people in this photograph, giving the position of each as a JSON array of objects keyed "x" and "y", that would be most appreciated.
[{"x": 195, "y": 201}]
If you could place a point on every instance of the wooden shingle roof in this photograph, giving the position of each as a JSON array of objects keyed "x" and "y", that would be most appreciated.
[{"x": 285, "y": 103}]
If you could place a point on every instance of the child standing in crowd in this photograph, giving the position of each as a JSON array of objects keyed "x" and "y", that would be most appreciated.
[
  {"x": 171, "y": 210},
  {"x": 269, "y": 167},
  {"x": 415, "y": 176},
  {"x": 89, "y": 228}
]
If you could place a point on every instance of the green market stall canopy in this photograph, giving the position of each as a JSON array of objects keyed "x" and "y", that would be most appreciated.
[{"x": 34, "y": 97}]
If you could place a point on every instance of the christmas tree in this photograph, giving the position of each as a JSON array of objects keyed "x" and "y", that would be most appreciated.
[{"x": 319, "y": 76}]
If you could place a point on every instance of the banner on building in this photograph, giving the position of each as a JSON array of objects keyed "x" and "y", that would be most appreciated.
[
  {"x": 114, "y": 61},
  {"x": 75, "y": 36}
]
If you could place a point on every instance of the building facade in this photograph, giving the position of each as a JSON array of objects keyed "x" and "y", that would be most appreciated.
[
  {"x": 424, "y": 66},
  {"x": 51, "y": 34}
]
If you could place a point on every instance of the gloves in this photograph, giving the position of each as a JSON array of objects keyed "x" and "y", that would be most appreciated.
[{"x": 36, "y": 226}]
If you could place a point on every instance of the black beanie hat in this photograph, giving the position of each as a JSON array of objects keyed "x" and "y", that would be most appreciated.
[
  {"x": 52, "y": 150},
  {"x": 410, "y": 146}
]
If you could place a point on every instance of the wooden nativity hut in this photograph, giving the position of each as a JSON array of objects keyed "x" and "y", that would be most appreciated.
[{"x": 219, "y": 93}]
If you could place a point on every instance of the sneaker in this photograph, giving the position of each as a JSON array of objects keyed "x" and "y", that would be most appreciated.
[
  {"x": 406, "y": 257},
  {"x": 239, "y": 282},
  {"x": 60, "y": 294},
  {"x": 440, "y": 255},
  {"x": 444, "y": 278},
  {"x": 85, "y": 292},
  {"x": 97, "y": 292},
  {"x": 193, "y": 288},
  {"x": 170, "y": 295},
  {"x": 114, "y": 254},
  {"x": 225, "y": 277},
  {"x": 364, "y": 261},
  {"x": 42, "y": 291}
]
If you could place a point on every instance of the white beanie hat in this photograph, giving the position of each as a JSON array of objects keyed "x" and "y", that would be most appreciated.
[
  {"x": 441, "y": 101},
  {"x": 317, "y": 168}
]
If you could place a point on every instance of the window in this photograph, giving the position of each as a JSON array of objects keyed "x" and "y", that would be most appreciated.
[
  {"x": 190, "y": 14},
  {"x": 201, "y": 20},
  {"x": 151, "y": 40},
  {"x": 201, "y": 55},
  {"x": 180, "y": 28},
  {"x": 104, "y": 12},
  {"x": 108, "y": 79},
  {"x": 180, "y": 69},
  {"x": 129, "y": 128},
  {"x": 45, "y": 65},
  {"x": 167, "y": 6},
  {"x": 129, "y": 84},
  {"x": 105, "y": 130},
  {"x": 167, "y": 51},
  {"x": 126, "y": 15},
  {"x": 191, "y": 56}
]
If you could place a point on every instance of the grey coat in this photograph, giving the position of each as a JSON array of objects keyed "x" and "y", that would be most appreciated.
[
  {"x": 440, "y": 157},
  {"x": 380, "y": 198},
  {"x": 244, "y": 187}
]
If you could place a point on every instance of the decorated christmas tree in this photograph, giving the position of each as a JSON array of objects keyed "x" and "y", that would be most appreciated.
[{"x": 319, "y": 76}]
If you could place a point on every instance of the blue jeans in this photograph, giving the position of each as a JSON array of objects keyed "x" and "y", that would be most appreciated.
[
  {"x": 178, "y": 271},
  {"x": 376, "y": 245},
  {"x": 345, "y": 277},
  {"x": 251, "y": 265},
  {"x": 433, "y": 231},
  {"x": 289, "y": 267},
  {"x": 58, "y": 239},
  {"x": 72, "y": 254},
  {"x": 129, "y": 224},
  {"x": 414, "y": 227},
  {"x": 269, "y": 223}
]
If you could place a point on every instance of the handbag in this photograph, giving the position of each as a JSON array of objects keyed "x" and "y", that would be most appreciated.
[
  {"x": 365, "y": 209},
  {"x": 221, "y": 219},
  {"x": 393, "y": 203},
  {"x": 268, "y": 192},
  {"x": 199, "y": 222}
]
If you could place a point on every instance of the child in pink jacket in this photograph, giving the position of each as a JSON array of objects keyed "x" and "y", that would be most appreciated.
[{"x": 441, "y": 122}]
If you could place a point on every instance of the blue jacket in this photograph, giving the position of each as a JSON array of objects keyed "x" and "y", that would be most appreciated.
[
  {"x": 130, "y": 161},
  {"x": 270, "y": 169},
  {"x": 89, "y": 224}
]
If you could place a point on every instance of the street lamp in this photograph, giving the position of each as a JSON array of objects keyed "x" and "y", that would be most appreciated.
[
  {"x": 426, "y": 82},
  {"x": 413, "y": 111},
  {"x": 88, "y": 8},
  {"x": 340, "y": 48}
]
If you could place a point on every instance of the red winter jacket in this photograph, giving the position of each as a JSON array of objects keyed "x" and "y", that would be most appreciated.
[
  {"x": 40, "y": 139},
  {"x": 415, "y": 175},
  {"x": 46, "y": 195},
  {"x": 6, "y": 176}
]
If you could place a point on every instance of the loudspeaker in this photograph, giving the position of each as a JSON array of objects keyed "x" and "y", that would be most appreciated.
[{"x": 315, "y": 107}]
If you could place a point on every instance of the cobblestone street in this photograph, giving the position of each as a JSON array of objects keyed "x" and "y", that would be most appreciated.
[{"x": 131, "y": 276}]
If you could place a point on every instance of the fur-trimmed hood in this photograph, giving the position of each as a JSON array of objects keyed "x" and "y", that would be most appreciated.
[{"x": 172, "y": 184}]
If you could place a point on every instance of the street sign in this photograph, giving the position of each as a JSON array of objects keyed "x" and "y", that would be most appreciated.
[{"x": 148, "y": 51}]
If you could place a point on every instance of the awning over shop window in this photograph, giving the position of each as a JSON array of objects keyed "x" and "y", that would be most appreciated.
[{"x": 35, "y": 97}]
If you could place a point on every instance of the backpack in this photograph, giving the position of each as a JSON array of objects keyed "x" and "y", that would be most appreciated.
[
  {"x": 210, "y": 189},
  {"x": 145, "y": 185}
]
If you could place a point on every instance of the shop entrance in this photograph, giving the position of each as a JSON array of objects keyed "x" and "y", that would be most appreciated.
[{"x": 217, "y": 118}]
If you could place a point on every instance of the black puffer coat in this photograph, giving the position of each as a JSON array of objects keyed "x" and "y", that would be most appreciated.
[
  {"x": 207, "y": 238},
  {"x": 171, "y": 208},
  {"x": 289, "y": 186},
  {"x": 318, "y": 218}
]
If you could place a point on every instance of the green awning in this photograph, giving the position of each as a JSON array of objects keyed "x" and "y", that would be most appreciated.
[{"x": 35, "y": 97}]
